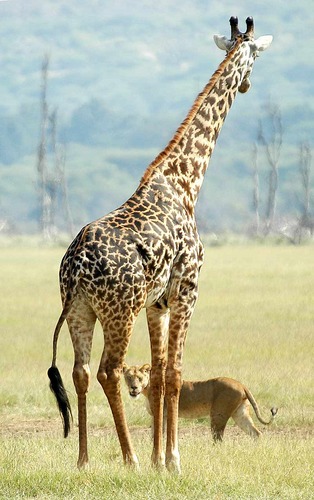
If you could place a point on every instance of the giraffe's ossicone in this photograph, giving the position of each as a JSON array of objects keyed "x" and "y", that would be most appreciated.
[{"x": 147, "y": 254}]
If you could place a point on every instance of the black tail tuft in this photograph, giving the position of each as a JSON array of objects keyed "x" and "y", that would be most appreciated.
[{"x": 57, "y": 387}]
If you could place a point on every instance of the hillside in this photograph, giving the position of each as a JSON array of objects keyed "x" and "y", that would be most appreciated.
[{"x": 122, "y": 76}]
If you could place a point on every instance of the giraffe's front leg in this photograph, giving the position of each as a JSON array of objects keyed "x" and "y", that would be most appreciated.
[
  {"x": 158, "y": 323},
  {"x": 157, "y": 388},
  {"x": 173, "y": 386},
  {"x": 181, "y": 309}
]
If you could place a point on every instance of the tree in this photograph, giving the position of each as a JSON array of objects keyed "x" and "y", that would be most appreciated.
[
  {"x": 256, "y": 194},
  {"x": 58, "y": 180},
  {"x": 51, "y": 181},
  {"x": 305, "y": 161},
  {"x": 272, "y": 143},
  {"x": 44, "y": 198}
]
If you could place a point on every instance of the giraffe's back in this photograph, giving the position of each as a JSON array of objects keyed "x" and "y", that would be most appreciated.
[{"x": 131, "y": 251}]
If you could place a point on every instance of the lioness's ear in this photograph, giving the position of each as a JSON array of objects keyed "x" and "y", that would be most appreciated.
[
  {"x": 124, "y": 367},
  {"x": 145, "y": 368}
]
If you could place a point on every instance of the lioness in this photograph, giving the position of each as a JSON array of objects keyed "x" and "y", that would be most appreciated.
[{"x": 219, "y": 398}]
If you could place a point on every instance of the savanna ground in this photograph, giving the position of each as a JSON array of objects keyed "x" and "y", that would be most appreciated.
[{"x": 254, "y": 321}]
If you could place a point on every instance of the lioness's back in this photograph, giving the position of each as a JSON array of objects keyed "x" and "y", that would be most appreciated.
[{"x": 197, "y": 398}]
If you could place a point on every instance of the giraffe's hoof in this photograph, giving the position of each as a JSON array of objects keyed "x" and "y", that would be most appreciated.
[
  {"x": 159, "y": 461},
  {"x": 173, "y": 463},
  {"x": 132, "y": 461},
  {"x": 82, "y": 464}
]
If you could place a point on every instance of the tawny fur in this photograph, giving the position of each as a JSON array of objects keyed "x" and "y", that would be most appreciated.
[{"x": 219, "y": 398}]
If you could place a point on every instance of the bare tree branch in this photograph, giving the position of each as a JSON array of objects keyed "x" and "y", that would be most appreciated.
[
  {"x": 305, "y": 164},
  {"x": 44, "y": 200},
  {"x": 272, "y": 148},
  {"x": 256, "y": 194}
]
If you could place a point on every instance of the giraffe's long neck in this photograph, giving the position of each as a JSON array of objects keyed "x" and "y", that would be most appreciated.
[{"x": 184, "y": 161}]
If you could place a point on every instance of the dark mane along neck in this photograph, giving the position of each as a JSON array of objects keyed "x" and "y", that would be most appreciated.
[{"x": 185, "y": 158}]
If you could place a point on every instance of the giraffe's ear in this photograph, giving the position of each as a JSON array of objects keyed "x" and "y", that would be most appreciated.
[
  {"x": 262, "y": 43},
  {"x": 222, "y": 42}
]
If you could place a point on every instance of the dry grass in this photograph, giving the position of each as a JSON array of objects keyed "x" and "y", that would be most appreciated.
[{"x": 253, "y": 321}]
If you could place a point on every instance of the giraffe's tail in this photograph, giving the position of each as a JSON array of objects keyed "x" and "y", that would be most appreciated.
[
  {"x": 57, "y": 387},
  {"x": 56, "y": 383}
]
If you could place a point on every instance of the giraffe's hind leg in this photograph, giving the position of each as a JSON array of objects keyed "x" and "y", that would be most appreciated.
[
  {"x": 109, "y": 375},
  {"x": 81, "y": 322}
]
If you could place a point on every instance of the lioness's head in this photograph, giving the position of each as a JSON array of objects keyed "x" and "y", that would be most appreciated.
[{"x": 136, "y": 378}]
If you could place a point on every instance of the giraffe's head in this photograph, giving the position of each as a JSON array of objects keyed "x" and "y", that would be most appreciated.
[{"x": 250, "y": 47}]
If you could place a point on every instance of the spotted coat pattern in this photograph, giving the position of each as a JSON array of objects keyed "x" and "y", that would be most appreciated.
[{"x": 147, "y": 254}]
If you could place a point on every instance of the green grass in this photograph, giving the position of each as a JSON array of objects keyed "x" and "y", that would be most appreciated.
[{"x": 253, "y": 321}]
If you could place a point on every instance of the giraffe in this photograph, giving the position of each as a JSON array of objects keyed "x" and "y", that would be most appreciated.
[{"x": 147, "y": 254}]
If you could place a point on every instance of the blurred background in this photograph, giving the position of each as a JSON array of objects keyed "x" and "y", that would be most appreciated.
[{"x": 92, "y": 91}]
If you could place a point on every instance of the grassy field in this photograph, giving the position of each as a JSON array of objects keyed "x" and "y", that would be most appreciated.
[{"x": 254, "y": 321}]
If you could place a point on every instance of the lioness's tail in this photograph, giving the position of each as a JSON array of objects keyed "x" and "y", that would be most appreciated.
[
  {"x": 56, "y": 383},
  {"x": 273, "y": 410}
]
